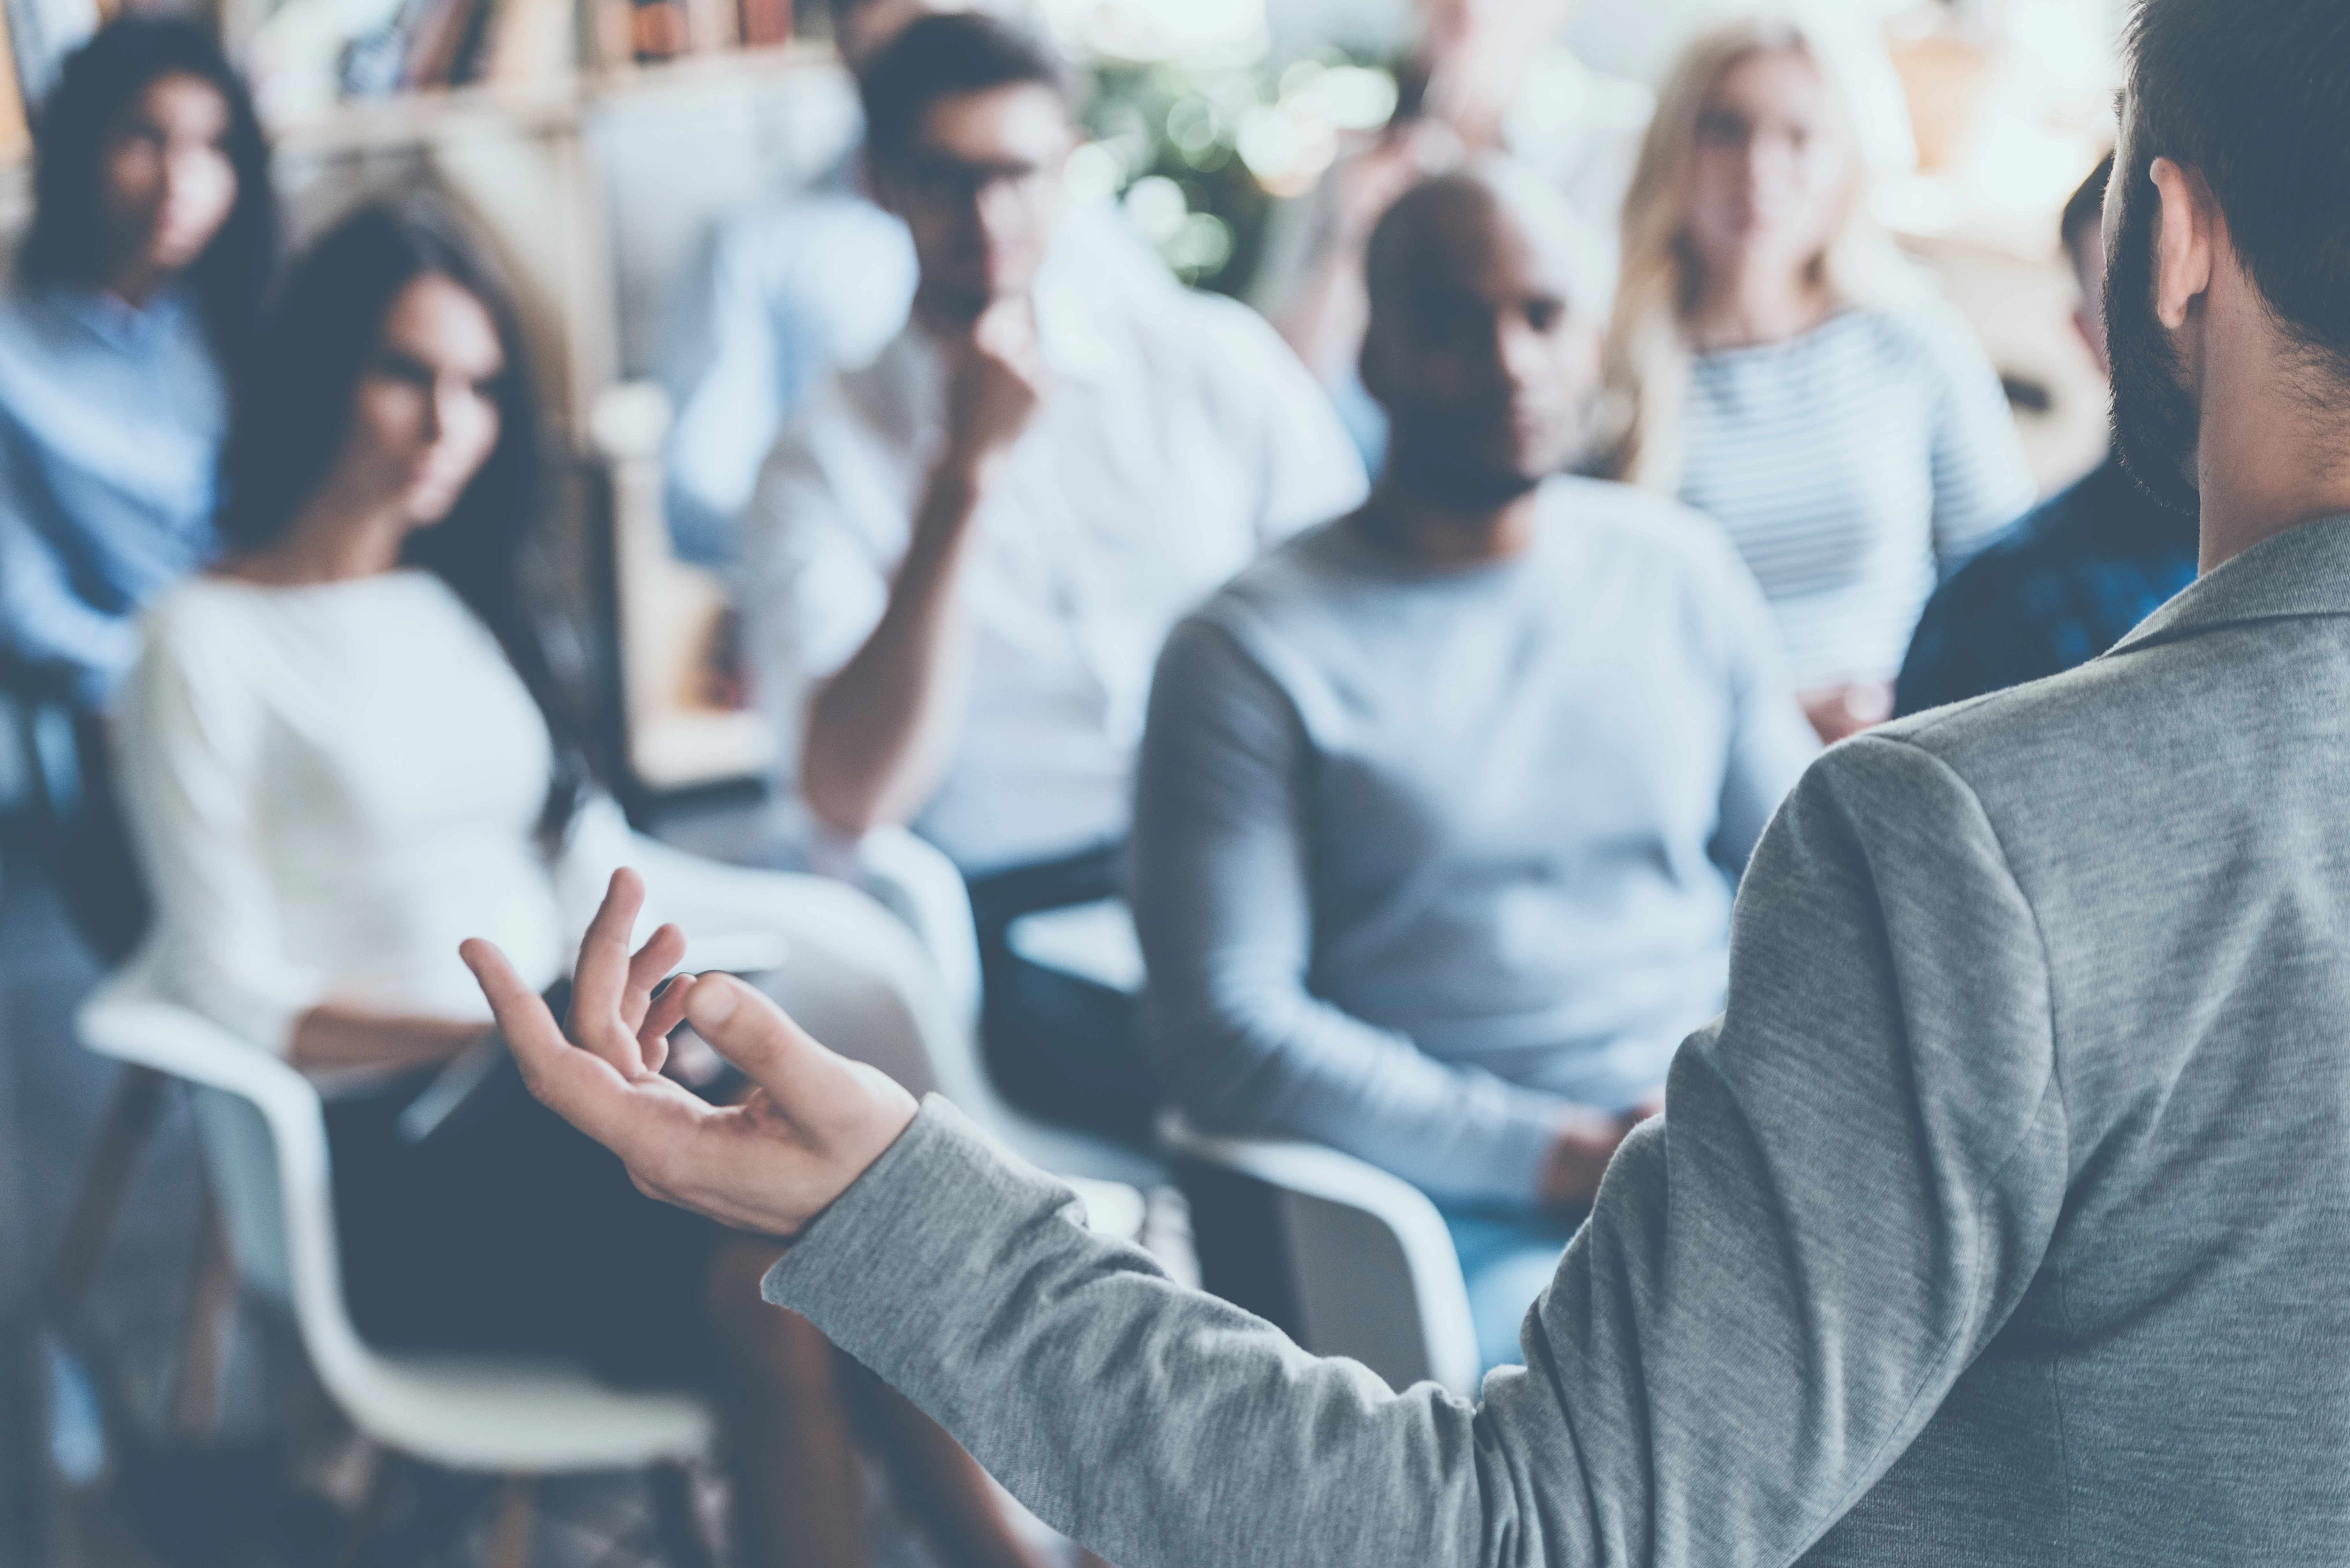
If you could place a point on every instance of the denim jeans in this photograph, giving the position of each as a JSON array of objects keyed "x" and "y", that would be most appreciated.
[
  {"x": 1507, "y": 1256},
  {"x": 1061, "y": 1048}
]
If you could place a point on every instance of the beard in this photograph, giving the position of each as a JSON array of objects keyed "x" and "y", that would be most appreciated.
[
  {"x": 1449, "y": 455},
  {"x": 1436, "y": 470},
  {"x": 2156, "y": 421}
]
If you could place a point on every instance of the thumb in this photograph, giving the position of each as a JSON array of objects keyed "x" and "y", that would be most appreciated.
[
  {"x": 1004, "y": 328},
  {"x": 745, "y": 1025}
]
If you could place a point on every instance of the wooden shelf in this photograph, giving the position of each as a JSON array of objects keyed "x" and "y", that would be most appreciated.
[
  {"x": 409, "y": 119},
  {"x": 716, "y": 66}
]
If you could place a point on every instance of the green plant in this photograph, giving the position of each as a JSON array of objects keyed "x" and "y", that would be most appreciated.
[{"x": 1198, "y": 154}]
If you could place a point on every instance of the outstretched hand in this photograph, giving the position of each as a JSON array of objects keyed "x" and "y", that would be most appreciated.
[{"x": 768, "y": 1165}]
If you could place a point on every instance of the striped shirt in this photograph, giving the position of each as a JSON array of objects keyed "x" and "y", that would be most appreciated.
[{"x": 1853, "y": 467}]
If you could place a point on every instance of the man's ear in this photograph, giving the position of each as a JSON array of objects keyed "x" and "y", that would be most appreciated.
[{"x": 2186, "y": 242}]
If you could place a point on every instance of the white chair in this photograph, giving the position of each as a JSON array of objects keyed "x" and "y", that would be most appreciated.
[
  {"x": 916, "y": 882},
  {"x": 1370, "y": 1261},
  {"x": 265, "y": 1146},
  {"x": 854, "y": 975},
  {"x": 864, "y": 981}
]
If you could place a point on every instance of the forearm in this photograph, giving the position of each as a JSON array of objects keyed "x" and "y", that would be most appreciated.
[
  {"x": 1156, "y": 1425},
  {"x": 331, "y": 1037},
  {"x": 1460, "y": 1134},
  {"x": 879, "y": 731}
]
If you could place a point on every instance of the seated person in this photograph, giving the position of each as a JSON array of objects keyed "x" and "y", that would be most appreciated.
[
  {"x": 1441, "y": 807},
  {"x": 1481, "y": 78},
  {"x": 787, "y": 293},
  {"x": 962, "y": 559},
  {"x": 2074, "y": 575},
  {"x": 1776, "y": 363},
  {"x": 346, "y": 747},
  {"x": 154, "y": 232}
]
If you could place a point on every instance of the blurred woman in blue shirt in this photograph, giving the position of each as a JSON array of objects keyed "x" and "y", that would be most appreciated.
[{"x": 153, "y": 234}]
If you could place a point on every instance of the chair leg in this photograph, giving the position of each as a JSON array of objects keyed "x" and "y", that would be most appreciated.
[
  {"x": 374, "y": 1505},
  {"x": 679, "y": 1523},
  {"x": 517, "y": 1521},
  {"x": 122, "y": 1138},
  {"x": 212, "y": 1320}
]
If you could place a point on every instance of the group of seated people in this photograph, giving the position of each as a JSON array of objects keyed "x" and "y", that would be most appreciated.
[{"x": 1429, "y": 795}]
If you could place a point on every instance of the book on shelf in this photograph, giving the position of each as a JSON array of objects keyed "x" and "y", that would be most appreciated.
[
  {"x": 658, "y": 30},
  {"x": 528, "y": 41},
  {"x": 15, "y": 130},
  {"x": 436, "y": 42},
  {"x": 764, "y": 24},
  {"x": 648, "y": 32}
]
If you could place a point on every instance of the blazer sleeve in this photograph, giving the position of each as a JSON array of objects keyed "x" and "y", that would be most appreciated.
[{"x": 1860, "y": 1166}]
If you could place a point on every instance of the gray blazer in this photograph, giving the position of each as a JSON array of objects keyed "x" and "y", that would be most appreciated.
[{"x": 2004, "y": 1218}]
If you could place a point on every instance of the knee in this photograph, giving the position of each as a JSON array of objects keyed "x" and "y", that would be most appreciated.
[{"x": 779, "y": 1347}]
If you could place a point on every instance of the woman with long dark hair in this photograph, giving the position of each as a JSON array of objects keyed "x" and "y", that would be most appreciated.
[
  {"x": 153, "y": 234},
  {"x": 347, "y": 748}
]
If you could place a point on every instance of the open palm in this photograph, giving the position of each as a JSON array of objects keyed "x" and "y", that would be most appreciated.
[{"x": 768, "y": 1165}]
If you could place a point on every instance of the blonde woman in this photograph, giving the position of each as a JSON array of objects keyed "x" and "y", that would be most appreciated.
[{"x": 1776, "y": 364}]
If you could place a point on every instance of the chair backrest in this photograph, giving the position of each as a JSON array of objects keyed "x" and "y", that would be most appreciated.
[
  {"x": 915, "y": 882},
  {"x": 93, "y": 864},
  {"x": 1371, "y": 1271},
  {"x": 265, "y": 1144}
]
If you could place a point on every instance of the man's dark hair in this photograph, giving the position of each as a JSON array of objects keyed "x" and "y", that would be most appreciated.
[
  {"x": 293, "y": 404},
  {"x": 2255, "y": 96},
  {"x": 946, "y": 56},
  {"x": 97, "y": 84},
  {"x": 2086, "y": 210}
]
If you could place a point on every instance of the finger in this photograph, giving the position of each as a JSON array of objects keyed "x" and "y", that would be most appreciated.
[
  {"x": 578, "y": 1086},
  {"x": 650, "y": 966},
  {"x": 801, "y": 1077},
  {"x": 666, "y": 1012},
  {"x": 991, "y": 333},
  {"x": 603, "y": 971}
]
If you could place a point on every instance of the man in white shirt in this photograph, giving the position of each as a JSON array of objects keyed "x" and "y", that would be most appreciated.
[
  {"x": 962, "y": 560},
  {"x": 788, "y": 291}
]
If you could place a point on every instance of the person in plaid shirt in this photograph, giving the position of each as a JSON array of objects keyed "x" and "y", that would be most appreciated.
[{"x": 2069, "y": 579}]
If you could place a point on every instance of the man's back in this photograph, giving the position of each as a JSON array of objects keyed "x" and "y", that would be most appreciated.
[
  {"x": 1999, "y": 1220},
  {"x": 2174, "y": 815}
]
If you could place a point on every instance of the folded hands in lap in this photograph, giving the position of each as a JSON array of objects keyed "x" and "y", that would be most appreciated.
[{"x": 768, "y": 1165}]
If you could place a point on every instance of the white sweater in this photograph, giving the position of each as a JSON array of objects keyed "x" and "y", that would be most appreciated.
[{"x": 331, "y": 786}]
